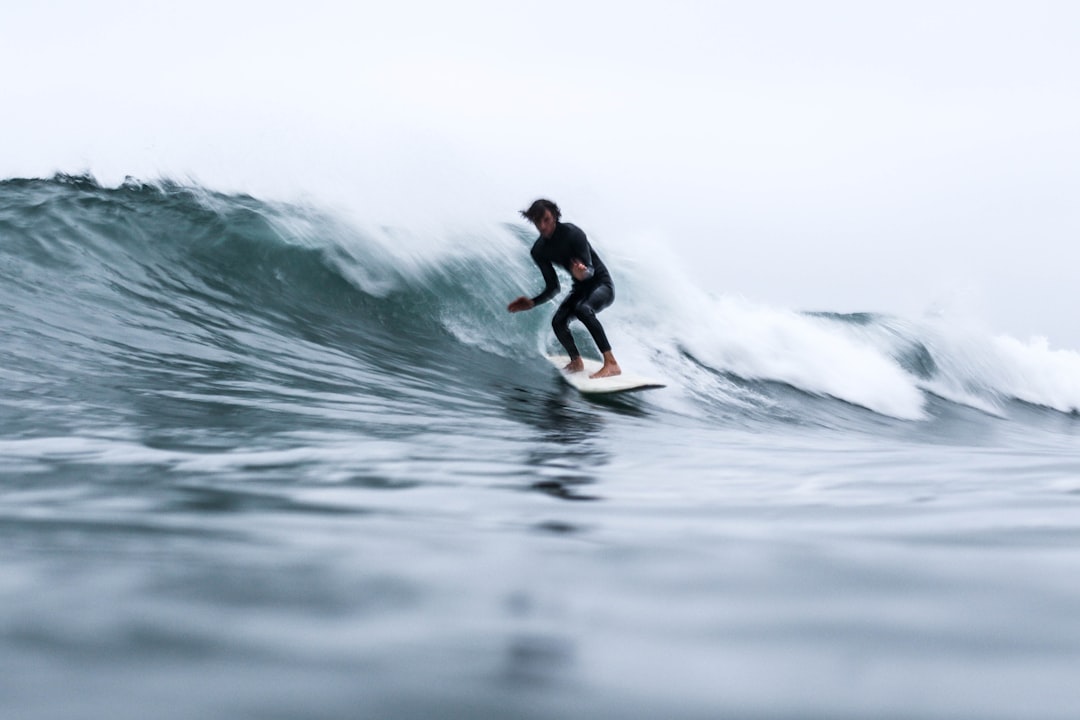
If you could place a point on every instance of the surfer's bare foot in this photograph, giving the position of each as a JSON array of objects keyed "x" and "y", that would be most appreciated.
[
  {"x": 607, "y": 371},
  {"x": 575, "y": 365},
  {"x": 611, "y": 367}
]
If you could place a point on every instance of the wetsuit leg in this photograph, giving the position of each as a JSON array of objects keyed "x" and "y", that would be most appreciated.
[
  {"x": 585, "y": 310},
  {"x": 560, "y": 323}
]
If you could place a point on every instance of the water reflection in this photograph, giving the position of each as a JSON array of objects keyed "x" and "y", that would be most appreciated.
[
  {"x": 567, "y": 450},
  {"x": 533, "y": 658},
  {"x": 536, "y": 660},
  {"x": 564, "y": 489}
]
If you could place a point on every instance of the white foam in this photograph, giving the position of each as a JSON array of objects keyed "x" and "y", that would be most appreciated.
[
  {"x": 979, "y": 369},
  {"x": 755, "y": 341},
  {"x": 1035, "y": 373}
]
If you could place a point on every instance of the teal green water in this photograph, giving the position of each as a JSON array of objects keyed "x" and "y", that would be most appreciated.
[{"x": 258, "y": 461}]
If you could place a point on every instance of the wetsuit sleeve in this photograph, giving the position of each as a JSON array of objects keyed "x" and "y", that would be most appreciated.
[
  {"x": 579, "y": 248},
  {"x": 551, "y": 280}
]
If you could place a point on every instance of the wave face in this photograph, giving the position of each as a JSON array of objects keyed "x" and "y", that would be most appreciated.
[
  {"x": 143, "y": 301},
  {"x": 315, "y": 469},
  {"x": 139, "y": 303}
]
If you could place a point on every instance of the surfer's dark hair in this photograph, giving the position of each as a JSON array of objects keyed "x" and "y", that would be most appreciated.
[{"x": 536, "y": 210}]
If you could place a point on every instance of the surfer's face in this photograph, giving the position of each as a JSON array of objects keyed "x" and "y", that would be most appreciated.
[{"x": 546, "y": 224}]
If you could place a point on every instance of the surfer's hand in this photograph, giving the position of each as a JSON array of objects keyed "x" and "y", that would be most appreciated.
[
  {"x": 579, "y": 270},
  {"x": 522, "y": 303}
]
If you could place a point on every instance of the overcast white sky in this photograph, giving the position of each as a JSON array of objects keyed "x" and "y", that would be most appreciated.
[{"x": 846, "y": 156}]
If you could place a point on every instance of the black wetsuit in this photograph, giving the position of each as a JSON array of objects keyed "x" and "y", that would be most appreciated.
[{"x": 587, "y": 297}]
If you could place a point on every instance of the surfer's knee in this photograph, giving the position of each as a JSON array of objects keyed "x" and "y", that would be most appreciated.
[{"x": 585, "y": 314}]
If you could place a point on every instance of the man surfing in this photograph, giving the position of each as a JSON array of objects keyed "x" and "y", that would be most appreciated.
[{"x": 591, "y": 292}]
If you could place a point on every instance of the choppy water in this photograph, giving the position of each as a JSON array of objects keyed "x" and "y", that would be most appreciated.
[{"x": 256, "y": 461}]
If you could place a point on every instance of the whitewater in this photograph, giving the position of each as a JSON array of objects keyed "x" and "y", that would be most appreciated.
[{"x": 258, "y": 459}]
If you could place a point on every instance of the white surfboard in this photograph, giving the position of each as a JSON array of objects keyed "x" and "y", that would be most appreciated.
[{"x": 623, "y": 382}]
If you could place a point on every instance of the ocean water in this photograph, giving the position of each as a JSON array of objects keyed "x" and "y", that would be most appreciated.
[{"x": 258, "y": 461}]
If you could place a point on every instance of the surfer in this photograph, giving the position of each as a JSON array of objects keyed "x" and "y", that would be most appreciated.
[{"x": 592, "y": 290}]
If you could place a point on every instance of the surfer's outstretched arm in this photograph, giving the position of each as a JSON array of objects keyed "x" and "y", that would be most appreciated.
[
  {"x": 551, "y": 284},
  {"x": 551, "y": 278}
]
